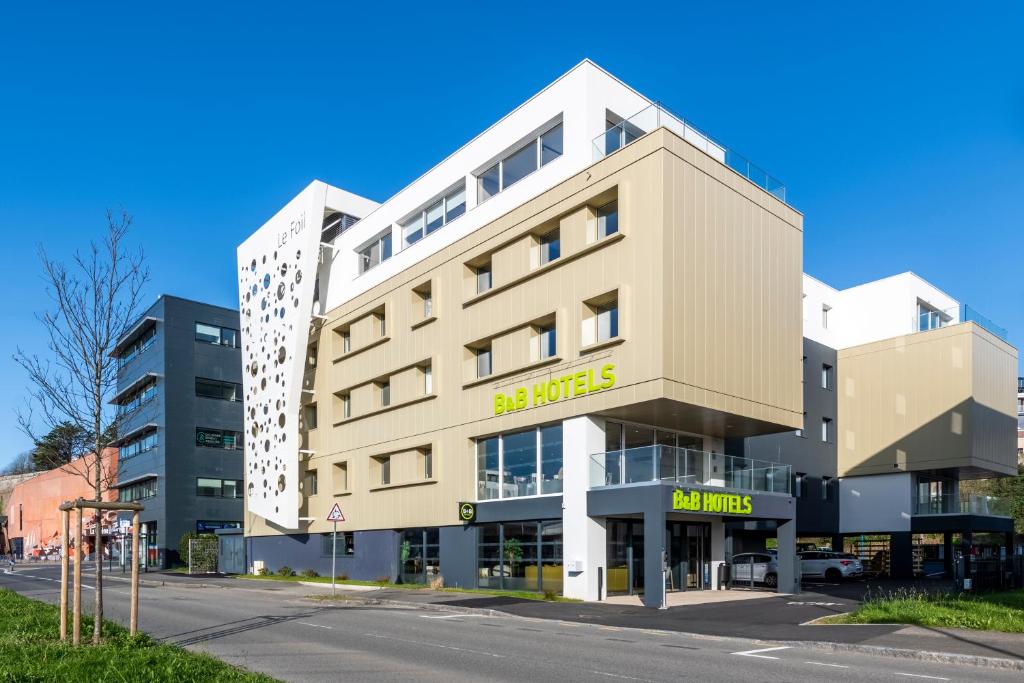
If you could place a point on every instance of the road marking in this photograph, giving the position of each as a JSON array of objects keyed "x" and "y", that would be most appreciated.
[
  {"x": 837, "y": 666},
  {"x": 754, "y": 653},
  {"x": 817, "y": 604},
  {"x": 454, "y": 616},
  {"x": 444, "y": 647},
  {"x": 934, "y": 678},
  {"x": 306, "y": 623},
  {"x": 628, "y": 678}
]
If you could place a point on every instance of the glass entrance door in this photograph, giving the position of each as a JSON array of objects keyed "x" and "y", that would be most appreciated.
[{"x": 689, "y": 555}]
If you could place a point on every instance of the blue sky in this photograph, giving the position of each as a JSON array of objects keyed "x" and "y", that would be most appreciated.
[{"x": 899, "y": 132}]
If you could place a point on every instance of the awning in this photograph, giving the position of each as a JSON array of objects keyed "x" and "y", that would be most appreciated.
[
  {"x": 131, "y": 388},
  {"x": 132, "y": 334},
  {"x": 134, "y": 480},
  {"x": 149, "y": 426}
]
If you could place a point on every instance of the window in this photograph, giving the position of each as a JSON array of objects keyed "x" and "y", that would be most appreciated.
[
  {"x": 375, "y": 252},
  {"x": 335, "y": 224},
  {"x": 826, "y": 428},
  {"x": 137, "y": 446},
  {"x": 798, "y": 484},
  {"x": 340, "y": 477},
  {"x": 346, "y": 341},
  {"x": 310, "y": 483},
  {"x": 345, "y": 544},
  {"x": 346, "y": 405},
  {"x": 428, "y": 463},
  {"x": 138, "y": 398},
  {"x": 382, "y": 322},
  {"x": 310, "y": 416},
  {"x": 428, "y": 303},
  {"x": 483, "y": 278},
  {"x": 524, "y": 556},
  {"x": 525, "y": 463},
  {"x": 826, "y": 376},
  {"x": 436, "y": 214},
  {"x": 428, "y": 379},
  {"x": 608, "y": 321},
  {"x": 215, "y": 388},
  {"x": 546, "y": 337},
  {"x": 826, "y": 488},
  {"x": 483, "y": 361},
  {"x": 212, "y": 334},
  {"x": 520, "y": 163},
  {"x": 550, "y": 247},
  {"x": 219, "y": 438},
  {"x": 825, "y": 308},
  {"x": 618, "y": 133},
  {"x": 385, "y": 393},
  {"x": 137, "y": 347},
  {"x": 137, "y": 491},
  {"x": 385, "y": 469},
  {"x": 608, "y": 219},
  {"x": 218, "y": 488},
  {"x": 312, "y": 351},
  {"x": 208, "y": 526}
]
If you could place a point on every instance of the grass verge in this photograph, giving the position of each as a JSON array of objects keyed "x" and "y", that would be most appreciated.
[
  {"x": 30, "y": 650},
  {"x": 1002, "y": 611},
  {"x": 523, "y": 595}
]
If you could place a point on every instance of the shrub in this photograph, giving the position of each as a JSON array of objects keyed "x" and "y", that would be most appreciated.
[
  {"x": 286, "y": 571},
  {"x": 263, "y": 571},
  {"x": 550, "y": 595},
  {"x": 310, "y": 573},
  {"x": 342, "y": 577}
]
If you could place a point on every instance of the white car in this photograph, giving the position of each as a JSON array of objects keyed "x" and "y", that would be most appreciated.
[{"x": 831, "y": 566}]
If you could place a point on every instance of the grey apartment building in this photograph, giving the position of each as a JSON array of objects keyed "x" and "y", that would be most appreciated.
[{"x": 180, "y": 444}]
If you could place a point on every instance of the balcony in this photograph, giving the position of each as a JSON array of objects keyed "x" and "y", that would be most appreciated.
[
  {"x": 963, "y": 504},
  {"x": 655, "y": 116},
  {"x": 685, "y": 466},
  {"x": 932, "y": 319}
]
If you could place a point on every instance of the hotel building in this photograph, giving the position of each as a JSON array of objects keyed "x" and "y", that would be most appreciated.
[{"x": 544, "y": 364}]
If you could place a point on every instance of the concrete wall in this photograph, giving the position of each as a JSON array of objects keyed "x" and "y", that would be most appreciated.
[{"x": 877, "y": 503}]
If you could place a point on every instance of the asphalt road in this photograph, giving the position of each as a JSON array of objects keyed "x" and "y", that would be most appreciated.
[{"x": 277, "y": 630}]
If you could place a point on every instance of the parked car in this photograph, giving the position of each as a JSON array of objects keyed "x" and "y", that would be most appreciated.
[
  {"x": 765, "y": 567},
  {"x": 831, "y": 566}
]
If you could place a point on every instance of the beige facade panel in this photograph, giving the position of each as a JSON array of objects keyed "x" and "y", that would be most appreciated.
[
  {"x": 698, "y": 268},
  {"x": 938, "y": 399}
]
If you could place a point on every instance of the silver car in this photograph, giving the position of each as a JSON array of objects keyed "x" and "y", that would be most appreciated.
[
  {"x": 765, "y": 567},
  {"x": 831, "y": 566}
]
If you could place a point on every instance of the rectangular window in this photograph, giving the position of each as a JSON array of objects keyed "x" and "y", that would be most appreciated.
[
  {"x": 219, "y": 438},
  {"x": 428, "y": 304},
  {"x": 608, "y": 219},
  {"x": 345, "y": 544},
  {"x": 428, "y": 464},
  {"x": 428, "y": 379},
  {"x": 375, "y": 252},
  {"x": 310, "y": 483},
  {"x": 826, "y": 429},
  {"x": 310, "y": 416},
  {"x": 340, "y": 477},
  {"x": 826, "y": 488},
  {"x": 335, "y": 224},
  {"x": 217, "y": 389},
  {"x": 385, "y": 470},
  {"x": 138, "y": 491},
  {"x": 382, "y": 322},
  {"x": 539, "y": 151},
  {"x": 138, "y": 398},
  {"x": 517, "y": 464},
  {"x": 213, "y": 334},
  {"x": 608, "y": 321},
  {"x": 346, "y": 342},
  {"x": 550, "y": 247},
  {"x": 547, "y": 341},
  {"x": 346, "y": 405},
  {"x": 455, "y": 204},
  {"x": 137, "y": 347},
  {"x": 412, "y": 229},
  {"x": 137, "y": 446},
  {"x": 798, "y": 484},
  {"x": 385, "y": 393},
  {"x": 208, "y": 487},
  {"x": 826, "y": 376},
  {"x": 483, "y": 278},
  {"x": 483, "y": 362},
  {"x": 825, "y": 308}
]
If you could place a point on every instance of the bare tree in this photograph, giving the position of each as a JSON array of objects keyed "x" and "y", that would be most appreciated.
[
  {"x": 95, "y": 301},
  {"x": 23, "y": 463}
]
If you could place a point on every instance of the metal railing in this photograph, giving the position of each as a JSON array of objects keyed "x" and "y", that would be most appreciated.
[
  {"x": 963, "y": 504},
  {"x": 936, "y": 318},
  {"x": 655, "y": 116},
  {"x": 688, "y": 466}
]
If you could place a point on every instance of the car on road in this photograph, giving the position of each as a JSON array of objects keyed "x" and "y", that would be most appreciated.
[
  {"x": 764, "y": 566},
  {"x": 829, "y": 565}
]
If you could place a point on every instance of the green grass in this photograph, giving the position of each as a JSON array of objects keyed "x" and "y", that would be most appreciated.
[
  {"x": 984, "y": 612},
  {"x": 30, "y": 650},
  {"x": 524, "y": 595}
]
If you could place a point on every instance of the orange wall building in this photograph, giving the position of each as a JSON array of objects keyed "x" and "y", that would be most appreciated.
[{"x": 33, "y": 513}]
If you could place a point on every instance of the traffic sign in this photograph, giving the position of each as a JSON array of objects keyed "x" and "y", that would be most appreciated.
[{"x": 335, "y": 514}]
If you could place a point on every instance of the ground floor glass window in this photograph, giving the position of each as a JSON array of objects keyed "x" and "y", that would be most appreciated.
[{"x": 521, "y": 556}]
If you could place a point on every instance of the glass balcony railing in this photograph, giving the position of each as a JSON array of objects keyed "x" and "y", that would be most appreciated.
[
  {"x": 932, "y": 319},
  {"x": 963, "y": 504},
  {"x": 687, "y": 466},
  {"x": 655, "y": 116}
]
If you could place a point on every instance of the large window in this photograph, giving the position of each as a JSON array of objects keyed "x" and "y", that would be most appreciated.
[
  {"x": 137, "y": 491},
  {"x": 215, "y": 388},
  {"x": 218, "y": 488},
  {"x": 521, "y": 556},
  {"x": 213, "y": 334},
  {"x": 419, "y": 553},
  {"x": 346, "y": 544},
  {"x": 526, "y": 463},
  {"x": 138, "y": 445},
  {"x": 375, "y": 252},
  {"x": 219, "y": 438},
  {"x": 436, "y": 214},
  {"x": 520, "y": 163},
  {"x": 138, "y": 398},
  {"x": 137, "y": 347}
]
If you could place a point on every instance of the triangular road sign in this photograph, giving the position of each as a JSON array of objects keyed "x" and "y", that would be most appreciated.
[{"x": 335, "y": 514}]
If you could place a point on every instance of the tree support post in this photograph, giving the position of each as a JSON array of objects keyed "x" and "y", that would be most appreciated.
[
  {"x": 76, "y": 617},
  {"x": 134, "y": 624},
  {"x": 65, "y": 549}
]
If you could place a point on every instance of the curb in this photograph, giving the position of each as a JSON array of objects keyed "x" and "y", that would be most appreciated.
[{"x": 432, "y": 606}]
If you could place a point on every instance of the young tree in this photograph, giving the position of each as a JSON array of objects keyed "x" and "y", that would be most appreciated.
[{"x": 95, "y": 300}]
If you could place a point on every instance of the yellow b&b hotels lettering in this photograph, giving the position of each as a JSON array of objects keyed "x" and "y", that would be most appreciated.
[
  {"x": 707, "y": 501},
  {"x": 556, "y": 389}
]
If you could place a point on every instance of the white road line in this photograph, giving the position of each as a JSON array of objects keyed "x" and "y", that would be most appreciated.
[
  {"x": 754, "y": 653},
  {"x": 933, "y": 678},
  {"x": 455, "y": 616},
  {"x": 444, "y": 647},
  {"x": 837, "y": 666},
  {"x": 306, "y": 623},
  {"x": 628, "y": 678}
]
